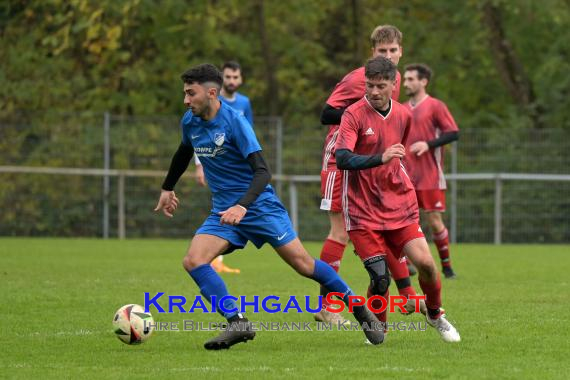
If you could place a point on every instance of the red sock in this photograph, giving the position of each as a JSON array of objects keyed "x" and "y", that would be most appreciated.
[
  {"x": 432, "y": 292},
  {"x": 441, "y": 240},
  {"x": 401, "y": 275},
  {"x": 331, "y": 254},
  {"x": 377, "y": 304}
]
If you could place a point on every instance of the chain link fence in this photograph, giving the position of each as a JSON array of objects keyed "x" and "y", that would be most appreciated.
[{"x": 43, "y": 204}]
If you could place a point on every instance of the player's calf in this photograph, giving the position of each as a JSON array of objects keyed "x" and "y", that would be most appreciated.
[
  {"x": 418, "y": 252},
  {"x": 297, "y": 257}
]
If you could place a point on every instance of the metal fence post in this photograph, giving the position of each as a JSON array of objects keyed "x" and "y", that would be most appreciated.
[
  {"x": 106, "y": 166},
  {"x": 279, "y": 153},
  {"x": 294, "y": 205},
  {"x": 453, "y": 208},
  {"x": 498, "y": 208},
  {"x": 121, "y": 207}
]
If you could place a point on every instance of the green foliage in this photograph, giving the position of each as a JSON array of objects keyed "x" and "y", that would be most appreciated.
[
  {"x": 125, "y": 57},
  {"x": 64, "y": 63},
  {"x": 59, "y": 297}
]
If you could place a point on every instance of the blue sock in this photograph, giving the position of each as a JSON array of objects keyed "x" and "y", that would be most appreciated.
[
  {"x": 328, "y": 278},
  {"x": 211, "y": 284}
]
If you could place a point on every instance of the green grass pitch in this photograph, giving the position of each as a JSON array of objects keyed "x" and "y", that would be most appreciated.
[{"x": 58, "y": 297}]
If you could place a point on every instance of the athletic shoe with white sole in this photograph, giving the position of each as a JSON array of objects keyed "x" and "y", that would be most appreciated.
[{"x": 445, "y": 329}]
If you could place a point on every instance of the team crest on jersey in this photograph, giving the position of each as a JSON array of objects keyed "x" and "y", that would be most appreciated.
[{"x": 219, "y": 138}]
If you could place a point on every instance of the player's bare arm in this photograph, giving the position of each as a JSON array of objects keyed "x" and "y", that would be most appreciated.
[
  {"x": 419, "y": 147},
  {"x": 395, "y": 151},
  {"x": 200, "y": 177},
  {"x": 233, "y": 215},
  {"x": 167, "y": 203}
]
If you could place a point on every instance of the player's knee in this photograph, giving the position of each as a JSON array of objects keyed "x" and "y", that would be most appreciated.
[
  {"x": 190, "y": 262},
  {"x": 338, "y": 231},
  {"x": 339, "y": 235},
  {"x": 435, "y": 222},
  {"x": 427, "y": 270},
  {"x": 379, "y": 275}
]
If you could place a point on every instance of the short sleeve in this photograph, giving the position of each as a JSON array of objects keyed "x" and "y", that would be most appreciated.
[
  {"x": 348, "y": 132},
  {"x": 248, "y": 112},
  {"x": 396, "y": 91},
  {"x": 444, "y": 119},
  {"x": 244, "y": 137},
  {"x": 349, "y": 90},
  {"x": 185, "y": 128}
]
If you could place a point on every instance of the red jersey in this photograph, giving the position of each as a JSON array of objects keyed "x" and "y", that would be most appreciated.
[
  {"x": 348, "y": 91},
  {"x": 383, "y": 197},
  {"x": 430, "y": 118}
]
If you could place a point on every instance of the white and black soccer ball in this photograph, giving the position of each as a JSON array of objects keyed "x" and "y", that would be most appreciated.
[{"x": 132, "y": 325}]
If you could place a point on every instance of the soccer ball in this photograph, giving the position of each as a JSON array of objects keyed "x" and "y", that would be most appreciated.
[{"x": 132, "y": 325}]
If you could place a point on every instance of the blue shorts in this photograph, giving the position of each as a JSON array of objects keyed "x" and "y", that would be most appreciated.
[{"x": 266, "y": 221}]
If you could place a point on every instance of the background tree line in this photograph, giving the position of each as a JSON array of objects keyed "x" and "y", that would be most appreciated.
[
  {"x": 498, "y": 63},
  {"x": 501, "y": 66}
]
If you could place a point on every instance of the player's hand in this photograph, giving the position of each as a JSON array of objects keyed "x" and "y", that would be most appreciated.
[
  {"x": 200, "y": 178},
  {"x": 419, "y": 148},
  {"x": 395, "y": 151},
  {"x": 233, "y": 215},
  {"x": 168, "y": 203}
]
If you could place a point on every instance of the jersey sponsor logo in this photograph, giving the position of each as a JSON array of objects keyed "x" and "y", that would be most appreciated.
[
  {"x": 279, "y": 238},
  {"x": 274, "y": 304},
  {"x": 219, "y": 138},
  {"x": 369, "y": 132},
  {"x": 206, "y": 151},
  {"x": 195, "y": 136}
]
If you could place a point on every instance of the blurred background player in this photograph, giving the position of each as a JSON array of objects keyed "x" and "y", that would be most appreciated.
[
  {"x": 231, "y": 73},
  {"x": 386, "y": 41},
  {"x": 244, "y": 206},
  {"x": 233, "y": 80},
  {"x": 432, "y": 128},
  {"x": 379, "y": 201}
]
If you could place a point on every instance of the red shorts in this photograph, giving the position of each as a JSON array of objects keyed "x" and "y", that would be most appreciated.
[
  {"x": 331, "y": 191},
  {"x": 431, "y": 200},
  {"x": 368, "y": 243}
]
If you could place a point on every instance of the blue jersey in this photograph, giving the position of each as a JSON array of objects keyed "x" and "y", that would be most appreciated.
[
  {"x": 241, "y": 104},
  {"x": 223, "y": 144}
]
